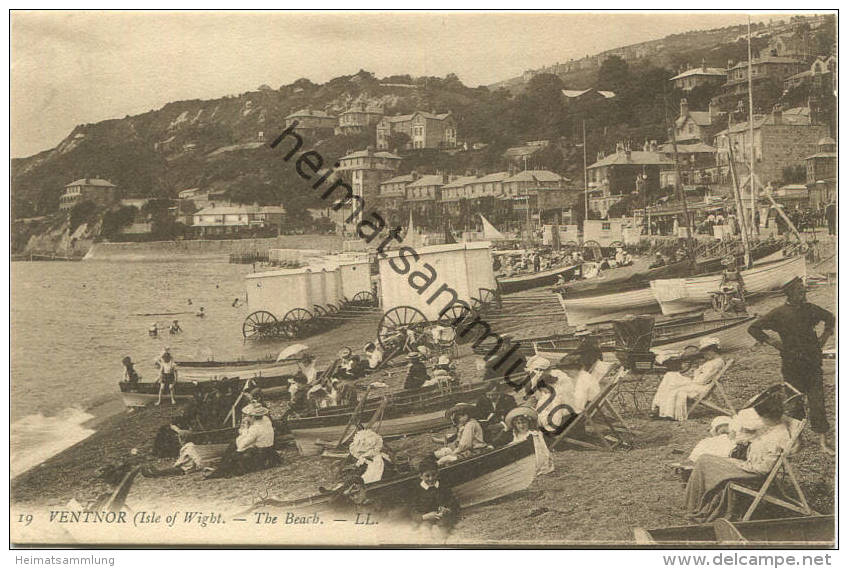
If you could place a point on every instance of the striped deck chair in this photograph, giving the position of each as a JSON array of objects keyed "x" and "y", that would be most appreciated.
[
  {"x": 782, "y": 497},
  {"x": 714, "y": 387},
  {"x": 600, "y": 410}
]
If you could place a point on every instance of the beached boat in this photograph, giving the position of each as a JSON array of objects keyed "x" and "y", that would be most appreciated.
[
  {"x": 809, "y": 531},
  {"x": 686, "y": 294},
  {"x": 473, "y": 481},
  {"x": 731, "y": 332},
  {"x": 400, "y": 417},
  {"x": 589, "y": 302},
  {"x": 548, "y": 277},
  {"x": 235, "y": 371},
  {"x": 145, "y": 393}
]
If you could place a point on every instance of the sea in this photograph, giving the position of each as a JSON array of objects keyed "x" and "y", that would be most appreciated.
[{"x": 73, "y": 322}]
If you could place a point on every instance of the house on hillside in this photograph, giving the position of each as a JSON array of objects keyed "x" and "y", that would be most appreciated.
[
  {"x": 364, "y": 170},
  {"x": 688, "y": 79},
  {"x": 358, "y": 119},
  {"x": 232, "y": 220},
  {"x": 97, "y": 190},
  {"x": 764, "y": 70},
  {"x": 424, "y": 199},
  {"x": 425, "y": 130},
  {"x": 822, "y": 71},
  {"x": 695, "y": 126},
  {"x": 313, "y": 123},
  {"x": 780, "y": 141},
  {"x": 572, "y": 95},
  {"x": 621, "y": 173},
  {"x": 821, "y": 173}
]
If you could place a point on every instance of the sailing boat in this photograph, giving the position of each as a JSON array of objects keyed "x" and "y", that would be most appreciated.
[{"x": 490, "y": 232}]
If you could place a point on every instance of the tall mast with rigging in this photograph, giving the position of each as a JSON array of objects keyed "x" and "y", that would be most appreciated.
[{"x": 753, "y": 226}]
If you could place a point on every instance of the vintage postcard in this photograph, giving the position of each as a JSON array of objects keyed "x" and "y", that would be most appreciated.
[{"x": 545, "y": 279}]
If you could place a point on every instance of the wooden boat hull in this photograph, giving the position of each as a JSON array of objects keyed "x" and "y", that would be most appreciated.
[
  {"x": 549, "y": 277},
  {"x": 674, "y": 335},
  {"x": 215, "y": 373},
  {"x": 473, "y": 481},
  {"x": 682, "y": 295},
  {"x": 589, "y": 309},
  {"x": 809, "y": 531},
  {"x": 145, "y": 393}
]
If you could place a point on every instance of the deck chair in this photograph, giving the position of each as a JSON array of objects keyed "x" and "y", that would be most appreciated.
[
  {"x": 600, "y": 410},
  {"x": 713, "y": 387},
  {"x": 798, "y": 503}
]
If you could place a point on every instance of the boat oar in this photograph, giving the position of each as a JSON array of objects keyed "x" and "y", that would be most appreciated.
[{"x": 233, "y": 408}]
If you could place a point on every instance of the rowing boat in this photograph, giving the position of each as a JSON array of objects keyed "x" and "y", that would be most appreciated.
[
  {"x": 809, "y": 531},
  {"x": 473, "y": 481},
  {"x": 683, "y": 295},
  {"x": 144, "y": 393},
  {"x": 674, "y": 335},
  {"x": 585, "y": 304},
  {"x": 548, "y": 277},
  {"x": 400, "y": 417}
]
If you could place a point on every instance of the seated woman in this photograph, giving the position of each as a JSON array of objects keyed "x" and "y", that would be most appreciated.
[
  {"x": 373, "y": 354},
  {"x": 588, "y": 383},
  {"x": 443, "y": 374},
  {"x": 416, "y": 372},
  {"x": 551, "y": 393},
  {"x": 252, "y": 450},
  {"x": 523, "y": 423},
  {"x": 676, "y": 389},
  {"x": 492, "y": 407},
  {"x": 720, "y": 442},
  {"x": 469, "y": 439},
  {"x": 368, "y": 458},
  {"x": 763, "y": 434}
]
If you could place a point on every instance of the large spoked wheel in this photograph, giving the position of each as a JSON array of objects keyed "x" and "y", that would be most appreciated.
[
  {"x": 455, "y": 316},
  {"x": 319, "y": 311},
  {"x": 490, "y": 298},
  {"x": 260, "y": 324},
  {"x": 364, "y": 298},
  {"x": 396, "y": 322},
  {"x": 298, "y": 319}
]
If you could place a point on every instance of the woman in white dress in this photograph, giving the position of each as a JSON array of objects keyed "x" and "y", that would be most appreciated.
[{"x": 676, "y": 389}]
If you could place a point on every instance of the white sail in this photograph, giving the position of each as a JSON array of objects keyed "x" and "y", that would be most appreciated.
[{"x": 490, "y": 232}]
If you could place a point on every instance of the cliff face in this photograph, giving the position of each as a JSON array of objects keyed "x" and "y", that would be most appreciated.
[{"x": 56, "y": 239}]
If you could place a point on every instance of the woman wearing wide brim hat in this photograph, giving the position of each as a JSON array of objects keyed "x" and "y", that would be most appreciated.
[
  {"x": 469, "y": 437},
  {"x": 253, "y": 449},
  {"x": 522, "y": 423}
]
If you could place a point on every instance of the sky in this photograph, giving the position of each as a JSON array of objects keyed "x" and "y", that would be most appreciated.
[{"x": 70, "y": 68}]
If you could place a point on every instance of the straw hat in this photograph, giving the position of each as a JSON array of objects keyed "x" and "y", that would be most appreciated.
[
  {"x": 423, "y": 350},
  {"x": 521, "y": 411},
  {"x": 718, "y": 422},
  {"x": 729, "y": 260},
  {"x": 413, "y": 356},
  {"x": 255, "y": 410},
  {"x": 792, "y": 285},
  {"x": 444, "y": 360},
  {"x": 538, "y": 363},
  {"x": 465, "y": 408},
  {"x": 345, "y": 352}
]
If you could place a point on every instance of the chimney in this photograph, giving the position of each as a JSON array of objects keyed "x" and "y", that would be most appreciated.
[
  {"x": 777, "y": 112},
  {"x": 653, "y": 146},
  {"x": 730, "y": 63},
  {"x": 684, "y": 107},
  {"x": 646, "y": 146},
  {"x": 714, "y": 110},
  {"x": 704, "y": 65}
]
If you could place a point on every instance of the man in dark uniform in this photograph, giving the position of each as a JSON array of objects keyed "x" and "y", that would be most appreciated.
[{"x": 800, "y": 348}]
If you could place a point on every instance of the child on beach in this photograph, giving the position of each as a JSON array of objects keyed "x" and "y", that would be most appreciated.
[
  {"x": 434, "y": 506},
  {"x": 130, "y": 375}
]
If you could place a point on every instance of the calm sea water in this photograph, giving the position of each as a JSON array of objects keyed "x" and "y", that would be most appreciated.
[{"x": 72, "y": 323}]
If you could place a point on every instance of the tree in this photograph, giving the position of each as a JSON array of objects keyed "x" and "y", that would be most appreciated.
[
  {"x": 614, "y": 75},
  {"x": 116, "y": 219},
  {"x": 82, "y": 212}
]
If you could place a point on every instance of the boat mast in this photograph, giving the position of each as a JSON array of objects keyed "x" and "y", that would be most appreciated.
[
  {"x": 585, "y": 181},
  {"x": 737, "y": 195},
  {"x": 753, "y": 226},
  {"x": 690, "y": 250}
]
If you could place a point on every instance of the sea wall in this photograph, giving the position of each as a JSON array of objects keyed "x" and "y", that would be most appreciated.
[{"x": 207, "y": 249}]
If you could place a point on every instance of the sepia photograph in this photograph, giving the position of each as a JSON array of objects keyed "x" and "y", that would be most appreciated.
[{"x": 423, "y": 279}]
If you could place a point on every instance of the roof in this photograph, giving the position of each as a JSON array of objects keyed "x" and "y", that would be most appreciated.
[
  {"x": 713, "y": 71},
  {"x": 687, "y": 148},
  {"x": 366, "y": 153},
  {"x": 494, "y": 177},
  {"x": 766, "y": 61},
  {"x": 792, "y": 119},
  {"x": 239, "y": 209},
  {"x": 700, "y": 118},
  {"x": 535, "y": 176},
  {"x": 821, "y": 155},
  {"x": 637, "y": 157},
  {"x": 572, "y": 94},
  {"x": 428, "y": 180},
  {"x": 368, "y": 110},
  {"x": 92, "y": 182},
  {"x": 426, "y": 115},
  {"x": 405, "y": 178},
  {"x": 460, "y": 182},
  {"x": 826, "y": 140},
  {"x": 518, "y": 151},
  {"x": 310, "y": 113}
]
